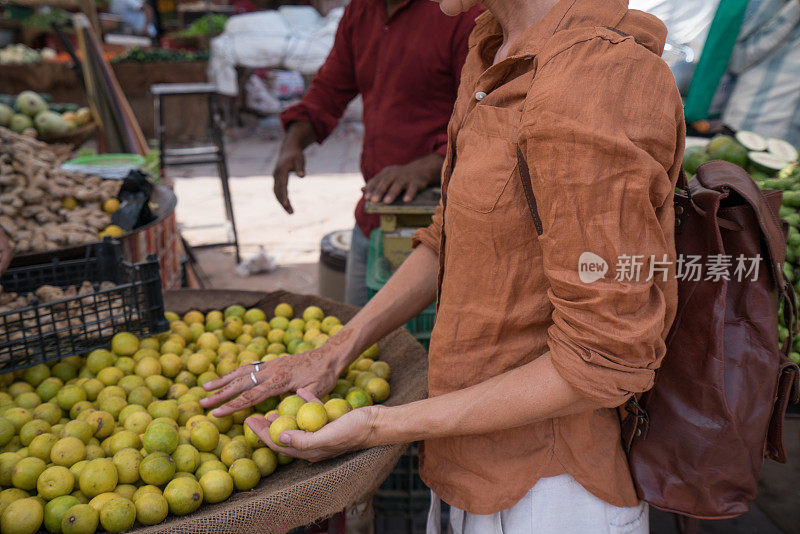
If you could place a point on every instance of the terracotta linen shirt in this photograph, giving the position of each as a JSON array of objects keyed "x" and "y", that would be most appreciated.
[{"x": 599, "y": 120}]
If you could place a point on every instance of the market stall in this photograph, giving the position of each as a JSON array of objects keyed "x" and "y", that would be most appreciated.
[
  {"x": 103, "y": 356},
  {"x": 287, "y": 496},
  {"x": 102, "y": 363},
  {"x": 135, "y": 72}
]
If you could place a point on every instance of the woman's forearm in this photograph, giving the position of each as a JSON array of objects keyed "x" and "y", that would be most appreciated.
[
  {"x": 409, "y": 291},
  {"x": 524, "y": 395}
]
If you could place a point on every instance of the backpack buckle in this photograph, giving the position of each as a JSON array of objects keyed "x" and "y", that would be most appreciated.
[{"x": 639, "y": 414}]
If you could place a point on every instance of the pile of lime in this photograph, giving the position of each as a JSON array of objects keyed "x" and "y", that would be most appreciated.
[
  {"x": 365, "y": 382},
  {"x": 118, "y": 437}
]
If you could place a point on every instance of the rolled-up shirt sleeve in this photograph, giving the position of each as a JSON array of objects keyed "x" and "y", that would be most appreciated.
[
  {"x": 601, "y": 159},
  {"x": 430, "y": 236}
]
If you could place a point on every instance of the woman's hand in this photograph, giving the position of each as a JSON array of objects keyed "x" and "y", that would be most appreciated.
[
  {"x": 352, "y": 431},
  {"x": 315, "y": 371}
]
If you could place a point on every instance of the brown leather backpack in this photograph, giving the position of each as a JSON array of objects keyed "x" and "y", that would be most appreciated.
[
  {"x": 697, "y": 439},
  {"x": 718, "y": 404}
]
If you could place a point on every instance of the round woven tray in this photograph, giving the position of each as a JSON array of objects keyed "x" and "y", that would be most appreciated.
[
  {"x": 301, "y": 493},
  {"x": 76, "y": 138}
]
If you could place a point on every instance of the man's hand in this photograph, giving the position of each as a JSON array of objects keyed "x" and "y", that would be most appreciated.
[
  {"x": 387, "y": 185},
  {"x": 291, "y": 159},
  {"x": 315, "y": 371},
  {"x": 350, "y": 432}
]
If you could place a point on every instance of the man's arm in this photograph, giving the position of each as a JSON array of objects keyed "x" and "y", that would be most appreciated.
[
  {"x": 334, "y": 85},
  {"x": 313, "y": 119},
  {"x": 425, "y": 172},
  {"x": 299, "y": 135}
]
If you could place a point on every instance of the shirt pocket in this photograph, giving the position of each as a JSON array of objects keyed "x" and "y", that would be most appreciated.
[{"x": 485, "y": 158}]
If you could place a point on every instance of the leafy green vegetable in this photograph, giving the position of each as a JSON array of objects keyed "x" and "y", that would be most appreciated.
[
  {"x": 214, "y": 22},
  {"x": 138, "y": 55},
  {"x": 152, "y": 164},
  {"x": 42, "y": 19}
]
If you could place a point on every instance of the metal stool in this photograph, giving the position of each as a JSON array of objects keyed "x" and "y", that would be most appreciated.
[{"x": 197, "y": 155}]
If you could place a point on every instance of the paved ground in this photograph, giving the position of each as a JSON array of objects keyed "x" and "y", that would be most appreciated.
[{"x": 323, "y": 202}]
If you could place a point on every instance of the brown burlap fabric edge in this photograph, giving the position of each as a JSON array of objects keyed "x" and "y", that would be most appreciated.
[{"x": 302, "y": 493}]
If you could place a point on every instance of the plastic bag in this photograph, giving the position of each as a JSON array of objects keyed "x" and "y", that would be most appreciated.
[
  {"x": 134, "y": 202},
  {"x": 687, "y": 21},
  {"x": 260, "y": 263},
  {"x": 294, "y": 37},
  {"x": 258, "y": 97}
]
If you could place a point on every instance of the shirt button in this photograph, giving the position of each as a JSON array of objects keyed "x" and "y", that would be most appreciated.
[{"x": 480, "y": 95}]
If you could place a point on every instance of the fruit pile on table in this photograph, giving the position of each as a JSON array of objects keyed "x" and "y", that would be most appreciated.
[
  {"x": 30, "y": 114},
  {"x": 117, "y": 436}
]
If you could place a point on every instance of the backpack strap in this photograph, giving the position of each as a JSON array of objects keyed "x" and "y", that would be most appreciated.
[{"x": 527, "y": 186}]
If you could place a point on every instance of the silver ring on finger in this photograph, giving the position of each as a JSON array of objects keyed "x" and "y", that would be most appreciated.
[
  {"x": 254, "y": 379},
  {"x": 257, "y": 366}
]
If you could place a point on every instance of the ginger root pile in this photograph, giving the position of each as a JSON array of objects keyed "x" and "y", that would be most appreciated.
[{"x": 42, "y": 207}]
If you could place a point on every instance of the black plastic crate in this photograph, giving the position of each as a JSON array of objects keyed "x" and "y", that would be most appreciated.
[
  {"x": 122, "y": 297},
  {"x": 402, "y": 502},
  {"x": 405, "y": 476}
]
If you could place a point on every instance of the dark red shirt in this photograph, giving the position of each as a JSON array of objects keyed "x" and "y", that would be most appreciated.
[{"x": 407, "y": 68}]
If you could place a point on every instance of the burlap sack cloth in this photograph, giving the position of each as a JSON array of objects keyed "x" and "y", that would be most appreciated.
[{"x": 302, "y": 493}]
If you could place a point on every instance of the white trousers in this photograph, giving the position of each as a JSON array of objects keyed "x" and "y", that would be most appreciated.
[{"x": 555, "y": 505}]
